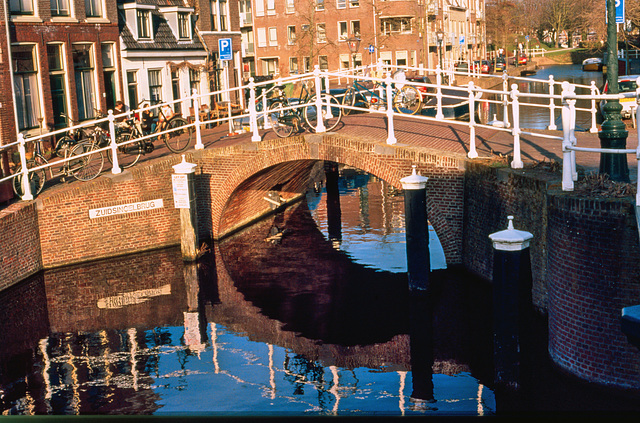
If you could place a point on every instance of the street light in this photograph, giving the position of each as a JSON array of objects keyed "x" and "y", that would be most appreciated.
[
  {"x": 440, "y": 39},
  {"x": 613, "y": 132},
  {"x": 354, "y": 45}
]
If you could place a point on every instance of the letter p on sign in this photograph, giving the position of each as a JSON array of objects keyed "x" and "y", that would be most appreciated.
[{"x": 224, "y": 48}]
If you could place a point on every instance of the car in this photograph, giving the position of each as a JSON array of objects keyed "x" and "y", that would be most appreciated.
[
  {"x": 501, "y": 64},
  {"x": 486, "y": 66},
  {"x": 522, "y": 60},
  {"x": 424, "y": 91},
  {"x": 626, "y": 84},
  {"x": 461, "y": 66}
]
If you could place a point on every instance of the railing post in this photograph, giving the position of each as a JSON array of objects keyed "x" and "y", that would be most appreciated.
[
  {"x": 391, "y": 136},
  {"x": 567, "y": 172},
  {"x": 253, "y": 114},
  {"x": 505, "y": 100},
  {"x": 439, "y": 114},
  {"x": 472, "y": 154},
  {"x": 329, "y": 113},
  {"x": 515, "y": 104},
  {"x": 265, "y": 104},
  {"x": 594, "y": 110},
  {"x": 112, "y": 143},
  {"x": 316, "y": 74},
  {"x": 26, "y": 186},
  {"x": 552, "y": 106},
  {"x": 196, "y": 112},
  {"x": 572, "y": 131}
]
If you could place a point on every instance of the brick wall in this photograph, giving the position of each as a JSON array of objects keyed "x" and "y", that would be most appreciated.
[
  {"x": 492, "y": 194},
  {"x": 20, "y": 254},
  {"x": 594, "y": 262}
]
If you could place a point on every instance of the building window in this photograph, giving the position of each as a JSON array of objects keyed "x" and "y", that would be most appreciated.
[
  {"x": 306, "y": 62},
  {"x": 343, "y": 32},
  {"x": 194, "y": 81},
  {"x": 21, "y": 7},
  {"x": 60, "y": 8},
  {"x": 58, "y": 85},
  {"x": 321, "y": 30},
  {"x": 293, "y": 65},
  {"x": 262, "y": 37},
  {"x": 341, "y": 4},
  {"x": 155, "y": 86},
  {"x": 93, "y": 8},
  {"x": 355, "y": 28},
  {"x": 323, "y": 61},
  {"x": 109, "y": 74},
  {"x": 271, "y": 7},
  {"x": 291, "y": 34},
  {"x": 219, "y": 15},
  {"x": 401, "y": 58},
  {"x": 25, "y": 72},
  {"x": 344, "y": 61},
  {"x": 290, "y": 7},
  {"x": 184, "y": 25},
  {"x": 273, "y": 36},
  {"x": 395, "y": 25},
  {"x": 319, "y": 4},
  {"x": 270, "y": 66},
  {"x": 354, "y": 3},
  {"x": 144, "y": 27},
  {"x": 83, "y": 67},
  {"x": 175, "y": 90},
  {"x": 132, "y": 88}
]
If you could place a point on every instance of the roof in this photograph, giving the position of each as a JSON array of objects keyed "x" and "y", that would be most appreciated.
[{"x": 163, "y": 36}]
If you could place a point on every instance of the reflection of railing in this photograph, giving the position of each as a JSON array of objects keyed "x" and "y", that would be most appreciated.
[{"x": 509, "y": 98}]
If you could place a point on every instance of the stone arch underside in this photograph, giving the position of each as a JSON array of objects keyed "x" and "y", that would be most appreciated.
[{"x": 240, "y": 178}]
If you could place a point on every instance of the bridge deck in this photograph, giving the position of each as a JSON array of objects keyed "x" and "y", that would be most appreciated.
[{"x": 451, "y": 137}]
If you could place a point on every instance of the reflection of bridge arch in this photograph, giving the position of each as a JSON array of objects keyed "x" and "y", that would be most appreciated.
[{"x": 241, "y": 180}]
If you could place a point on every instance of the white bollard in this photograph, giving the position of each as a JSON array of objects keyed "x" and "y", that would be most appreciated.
[
  {"x": 515, "y": 104},
  {"x": 391, "y": 136},
  {"x": 115, "y": 169},
  {"x": 567, "y": 179},
  {"x": 320, "y": 124}
]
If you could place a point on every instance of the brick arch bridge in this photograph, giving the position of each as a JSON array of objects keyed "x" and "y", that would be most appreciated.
[
  {"x": 280, "y": 169},
  {"x": 231, "y": 184}
]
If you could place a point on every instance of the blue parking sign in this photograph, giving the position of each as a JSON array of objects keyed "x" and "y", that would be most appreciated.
[
  {"x": 619, "y": 11},
  {"x": 224, "y": 49}
]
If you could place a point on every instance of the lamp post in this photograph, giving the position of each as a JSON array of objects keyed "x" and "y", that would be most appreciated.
[
  {"x": 440, "y": 39},
  {"x": 354, "y": 45},
  {"x": 613, "y": 133}
]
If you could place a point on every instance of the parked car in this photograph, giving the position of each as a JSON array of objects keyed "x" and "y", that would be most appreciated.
[
  {"x": 626, "y": 84},
  {"x": 461, "y": 66},
  {"x": 486, "y": 66},
  {"x": 501, "y": 64},
  {"x": 424, "y": 91},
  {"x": 522, "y": 60}
]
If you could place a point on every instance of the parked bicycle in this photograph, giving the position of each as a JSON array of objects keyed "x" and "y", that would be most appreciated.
[
  {"x": 406, "y": 98},
  {"x": 177, "y": 141},
  {"x": 70, "y": 138},
  {"x": 82, "y": 160},
  {"x": 287, "y": 114}
]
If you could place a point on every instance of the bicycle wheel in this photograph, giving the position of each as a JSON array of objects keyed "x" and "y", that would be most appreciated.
[
  {"x": 64, "y": 143},
  {"x": 130, "y": 153},
  {"x": 349, "y": 99},
  {"x": 36, "y": 178},
  {"x": 274, "y": 116},
  {"x": 87, "y": 167},
  {"x": 331, "y": 115},
  {"x": 179, "y": 139},
  {"x": 407, "y": 100}
]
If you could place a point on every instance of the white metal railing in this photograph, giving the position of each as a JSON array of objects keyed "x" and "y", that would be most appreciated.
[{"x": 508, "y": 97}]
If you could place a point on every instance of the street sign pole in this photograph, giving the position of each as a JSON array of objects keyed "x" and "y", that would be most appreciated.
[{"x": 226, "y": 53}]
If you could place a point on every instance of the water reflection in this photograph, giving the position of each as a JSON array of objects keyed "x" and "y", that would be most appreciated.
[{"x": 254, "y": 328}]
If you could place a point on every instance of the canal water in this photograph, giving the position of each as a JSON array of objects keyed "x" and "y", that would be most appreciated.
[
  {"x": 296, "y": 315},
  {"x": 535, "y": 112}
]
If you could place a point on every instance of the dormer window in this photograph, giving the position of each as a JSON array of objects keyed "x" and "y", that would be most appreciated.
[
  {"x": 143, "y": 20},
  {"x": 184, "y": 25}
]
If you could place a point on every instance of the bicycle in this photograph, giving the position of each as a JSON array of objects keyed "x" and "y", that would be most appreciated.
[
  {"x": 71, "y": 138},
  {"x": 285, "y": 116},
  {"x": 406, "y": 98},
  {"x": 177, "y": 141},
  {"x": 82, "y": 160}
]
